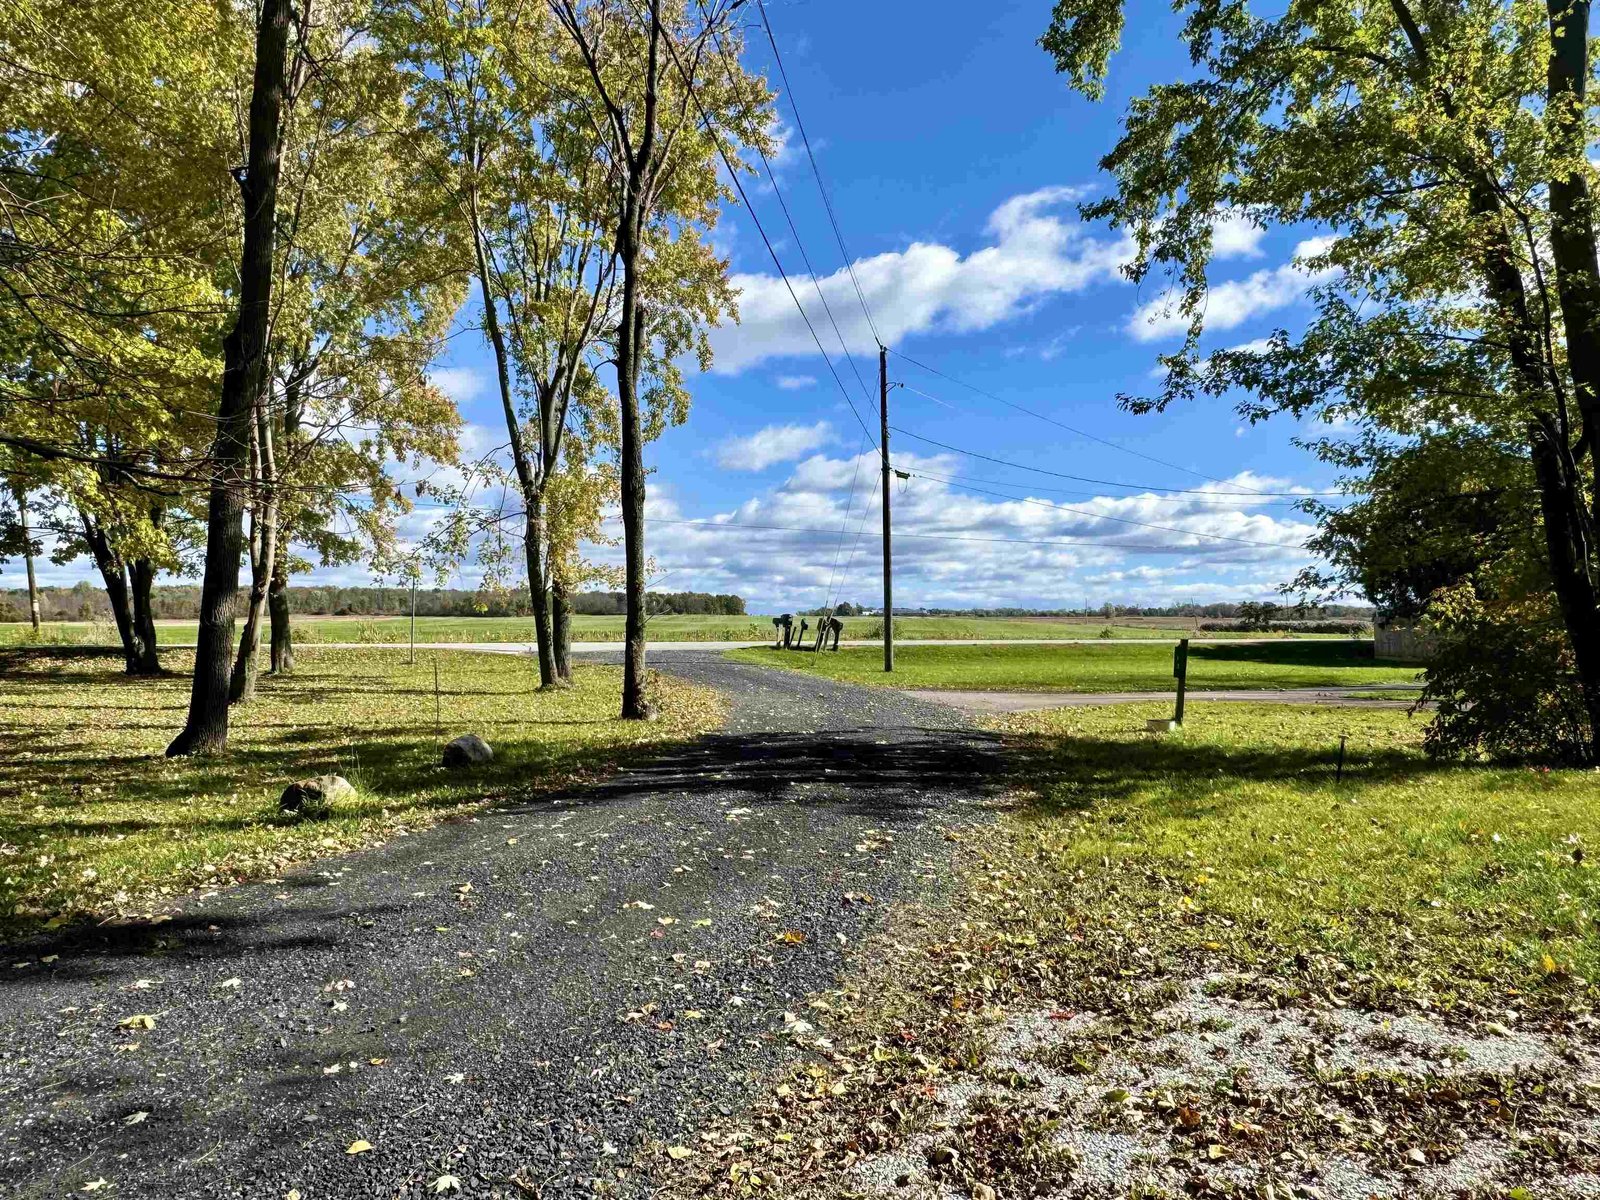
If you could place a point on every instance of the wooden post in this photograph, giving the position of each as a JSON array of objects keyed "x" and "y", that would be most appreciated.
[{"x": 1180, "y": 668}]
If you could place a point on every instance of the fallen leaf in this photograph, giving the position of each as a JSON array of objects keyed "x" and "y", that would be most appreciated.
[
  {"x": 137, "y": 1021},
  {"x": 678, "y": 1153},
  {"x": 359, "y": 1146},
  {"x": 137, "y": 1118},
  {"x": 94, "y": 1185},
  {"x": 447, "y": 1183}
]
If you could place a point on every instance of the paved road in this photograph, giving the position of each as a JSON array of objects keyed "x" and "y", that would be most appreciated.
[
  {"x": 615, "y": 647},
  {"x": 1357, "y": 695},
  {"x": 500, "y": 998}
]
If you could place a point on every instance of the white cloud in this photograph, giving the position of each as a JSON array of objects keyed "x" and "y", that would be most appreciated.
[
  {"x": 1235, "y": 235},
  {"x": 781, "y": 547},
  {"x": 461, "y": 384},
  {"x": 772, "y": 445},
  {"x": 1230, "y": 304},
  {"x": 1036, "y": 252},
  {"x": 793, "y": 383}
]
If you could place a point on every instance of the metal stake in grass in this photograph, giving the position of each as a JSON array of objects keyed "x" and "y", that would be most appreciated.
[
  {"x": 1338, "y": 771},
  {"x": 436, "y": 725}
]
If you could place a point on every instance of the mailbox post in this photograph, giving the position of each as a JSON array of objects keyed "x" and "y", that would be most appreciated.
[{"x": 1180, "y": 669}]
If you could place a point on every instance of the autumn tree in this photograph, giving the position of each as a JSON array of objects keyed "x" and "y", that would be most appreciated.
[
  {"x": 1440, "y": 153},
  {"x": 244, "y": 379},
  {"x": 361, "y": 307},
  {"x": 660, "y": 96},
  {"x": 115, "y": 206}
]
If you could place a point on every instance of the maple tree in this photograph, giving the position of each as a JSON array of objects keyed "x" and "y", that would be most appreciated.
[{"x": 1440, "y": 152}]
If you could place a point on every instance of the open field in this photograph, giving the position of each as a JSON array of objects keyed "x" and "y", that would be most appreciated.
[
  {"x": 1196, "y": 960},
  {"x": 386, "y": 630},
  {"x": 1113, "y": 668},
  {"x": 94, "y": 820}
]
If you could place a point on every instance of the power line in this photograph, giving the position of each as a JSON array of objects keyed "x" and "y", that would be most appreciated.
[
  {"x": 1072, "y": 429},
  {"x": 1221, "y": 537},
  {"x": 799, "y": 242},
  {"x": 794, "y": 107},
  {"x": 733, "y": 174},
  {"x": 951, "y": 477},
  {"x": 1005, "y": 462}
]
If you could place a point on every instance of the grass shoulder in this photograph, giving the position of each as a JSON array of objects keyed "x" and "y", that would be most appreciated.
[
  {"x": 95, "y": 822},
  {"x": 1111, "y": 667}
]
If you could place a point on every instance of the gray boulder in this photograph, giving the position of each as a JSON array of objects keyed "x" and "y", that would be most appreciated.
[
  {"x": 313, "y": 799},
  {"x": 468, "y": 750}
]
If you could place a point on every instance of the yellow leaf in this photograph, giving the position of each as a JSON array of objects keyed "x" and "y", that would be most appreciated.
[
  {"x": 137, "y": 1021},
  {"x": 678, "y": 1153},
  {"x": 792, "y": 936},
  {"x": 359, "y": 1146},
  {"x": 1549, "y": 965}
]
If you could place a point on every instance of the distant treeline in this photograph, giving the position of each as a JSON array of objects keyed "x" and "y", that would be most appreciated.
[
  {"x": 85, "y": 602},
  {"x": 1242, "y": 609}
]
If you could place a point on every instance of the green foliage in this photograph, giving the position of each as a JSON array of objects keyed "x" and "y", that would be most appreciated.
[
  {"x": 1439, "y": 153},
  {"x": 1503, "y": 679}
]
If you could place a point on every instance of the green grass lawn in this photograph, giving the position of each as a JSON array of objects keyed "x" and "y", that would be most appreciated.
[
  {"x": 1095, "y": 668},
  {"x": 386, "y": 630},
  {"x": 1423, "y": 876},
  {"x": 94, "y": 820}
]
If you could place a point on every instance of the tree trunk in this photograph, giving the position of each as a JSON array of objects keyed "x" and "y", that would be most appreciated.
[
  {"x": 244, "y": 372},
  {"x": 27, "y": 557},
  {"x": 629, "y": 341},
  {"x": 142, "y": 577},
  {"x": 529, "y": 474},
  {"x": 1569, "y": 552},
  {"x": 278, "y": 611},
  {"x": 538, "y": 589},
  {"x": 1572, "y": 233},
  {"x": 263, "y": 557},
  {"x": 139, "y": 657},
  {"x": 561, "y": 627}
]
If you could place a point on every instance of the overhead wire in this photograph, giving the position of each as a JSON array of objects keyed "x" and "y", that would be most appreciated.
[
  {"x": 1072, "y": 429},
  {"x": 816, "y": 171},
  {"x": 1006, "y": 462},
  {"x": 733, "y": 174}
]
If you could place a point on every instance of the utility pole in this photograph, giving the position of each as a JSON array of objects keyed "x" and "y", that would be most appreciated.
[{"x": 888, "y": 553}]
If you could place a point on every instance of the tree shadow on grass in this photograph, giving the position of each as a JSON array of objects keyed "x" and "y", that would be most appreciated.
[{"x": 1075, "y": 772}]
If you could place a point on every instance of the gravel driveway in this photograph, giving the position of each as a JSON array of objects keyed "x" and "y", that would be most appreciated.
[{"x": 521, "y": 1001}]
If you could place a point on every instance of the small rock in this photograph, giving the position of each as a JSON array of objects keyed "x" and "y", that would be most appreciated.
[
  {"x": 313, "y": 799},
  {"x": 468, "y": 750}
]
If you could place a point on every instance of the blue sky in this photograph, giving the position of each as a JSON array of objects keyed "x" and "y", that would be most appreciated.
[{"x": 955, "y": 156}]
